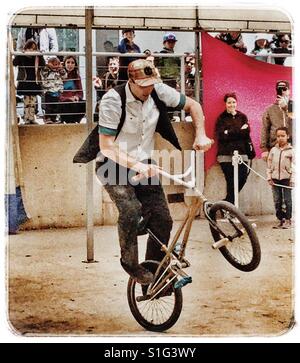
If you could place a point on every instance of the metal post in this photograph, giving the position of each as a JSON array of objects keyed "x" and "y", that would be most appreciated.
[
  {"x": 197, "y": 66},
  {"x": 199, "y": 154},
  {"x": 235, "y": 163},
  {"x": 182, "y": 82},
  {"x": 89, "y": 13}
]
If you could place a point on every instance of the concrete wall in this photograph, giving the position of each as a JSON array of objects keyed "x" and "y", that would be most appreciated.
[{"x": 55, "y": 187}]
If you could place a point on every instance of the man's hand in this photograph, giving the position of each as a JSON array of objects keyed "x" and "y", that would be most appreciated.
[
  {"x": 264, "y": 155},
  {"x": 202, "y": 143},
  {"x": 97, "y": 82},
  {"x": 270, "y": 181},
  {"x": 145, "y": 171},
  {"x": 281, "y": 102}
]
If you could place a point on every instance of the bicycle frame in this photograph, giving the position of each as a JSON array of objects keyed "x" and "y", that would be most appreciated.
[
  {"x": 174, "y": 262},
  {"x": 177, "y": 261}
]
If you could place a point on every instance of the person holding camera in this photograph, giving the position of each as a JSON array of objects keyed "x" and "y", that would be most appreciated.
[{"x": 277, "y": 115}]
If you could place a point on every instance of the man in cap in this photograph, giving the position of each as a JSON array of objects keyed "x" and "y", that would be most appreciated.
[
  {"x": 127, "y": 45},
  {"x": 129, "y": 115},
  {"x": 281, "y": 44},
  {"x": 169, "y": 67},
  {"x": 276, "y": 115}
]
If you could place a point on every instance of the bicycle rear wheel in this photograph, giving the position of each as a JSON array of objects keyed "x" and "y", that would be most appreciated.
[
  {"x": 155, "y": 314},
  {"x": 243, "y": 249}
]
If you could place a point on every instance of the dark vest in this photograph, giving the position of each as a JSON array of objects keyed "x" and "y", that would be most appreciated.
[{"x": 90, "y": 148}]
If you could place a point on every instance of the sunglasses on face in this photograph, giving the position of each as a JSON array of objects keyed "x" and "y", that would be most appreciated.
[
  {"x": 284, "y": 41},
  {"x": 283, "y": 88}
]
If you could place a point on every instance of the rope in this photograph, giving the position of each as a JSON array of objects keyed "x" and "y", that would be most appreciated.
[{"x": 240, "y": 161}]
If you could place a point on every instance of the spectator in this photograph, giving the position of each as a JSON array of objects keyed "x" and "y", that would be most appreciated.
[
  {"x": 102, "y": 61},
  {"x": 280, "y": 171},
  {"x": 72, "y": 104},
  {"x": 190, "y": 75},
  {"x": 234, "y": 39},
  {"x": 45, "y": 38},
  {"x": 281, "y": 45},
  {"x": 233, "y": 133},
  {"x": 149, "y": 56},
  {"x": 275, "y": 116},
  {"x": 29, "y": 79},
  {"x": 109, "y": 80},
  {"x": 127, "y": 45},
  {"x": 261, "y": 47},
  {"x": 169, "y": 67},
  {"x": 53, "y": 85}
]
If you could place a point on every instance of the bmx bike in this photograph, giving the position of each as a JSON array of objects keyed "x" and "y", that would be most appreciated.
[{"x": 157, "y": 306}]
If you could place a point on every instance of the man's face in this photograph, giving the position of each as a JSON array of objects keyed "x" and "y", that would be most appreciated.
[
  {"x": 129, "y": 35},
  {"x": 108, "y": 47},
  {"x": 113, "y": 66},
  {"x": 234, "y": 35},
  {"x": 189, "y": 64},
  {"x": 284, "y": 89},
  {"x": 284, "y": 42},
  {"x": 140, "y": 92},
  {"x": 170, "y": 44}
]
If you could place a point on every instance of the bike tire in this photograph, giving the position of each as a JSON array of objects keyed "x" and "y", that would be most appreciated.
[
  {"x": 237, "y": 217},
  {"x": 150, "y": 323}
]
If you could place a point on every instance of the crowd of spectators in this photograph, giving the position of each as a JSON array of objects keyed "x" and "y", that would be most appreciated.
[{"x": 51, "y": 86}]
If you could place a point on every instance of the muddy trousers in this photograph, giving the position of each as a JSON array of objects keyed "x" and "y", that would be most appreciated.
[{"x": 132, "y": 203}]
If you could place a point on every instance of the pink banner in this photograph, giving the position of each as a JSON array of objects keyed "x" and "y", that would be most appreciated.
[{"x": 226, "y": 70}]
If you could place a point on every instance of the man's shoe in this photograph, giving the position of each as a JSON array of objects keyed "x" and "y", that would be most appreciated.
[
  {"x": 279, "y": 225},
  {"x": 287, "y": 224},
  {"x": 139, "y": 273}
]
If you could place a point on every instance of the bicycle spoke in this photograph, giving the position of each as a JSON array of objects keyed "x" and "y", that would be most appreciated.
[{"x": 156, "y": 310}]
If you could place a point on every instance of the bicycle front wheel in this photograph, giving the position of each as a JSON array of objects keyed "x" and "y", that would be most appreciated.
[
  {"x": 243, "y": 249},
  {"x": 156, "y": 313}
]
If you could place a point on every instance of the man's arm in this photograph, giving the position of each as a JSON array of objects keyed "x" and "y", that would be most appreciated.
[
  {"x": 265, "y": 135},
  {"x": 202, "y": 142},
  {"x": 111, "y": 150},
  {"x": 269, "y": 168}
]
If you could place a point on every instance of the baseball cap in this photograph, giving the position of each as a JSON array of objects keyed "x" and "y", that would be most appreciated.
[
  {"x": 282, "y": 84},
  {"x": 143, "y": 73},
  {"x": 169, "y": 37}
]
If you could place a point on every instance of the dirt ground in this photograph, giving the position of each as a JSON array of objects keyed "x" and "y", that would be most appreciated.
[{"x": 52, "y": 292}]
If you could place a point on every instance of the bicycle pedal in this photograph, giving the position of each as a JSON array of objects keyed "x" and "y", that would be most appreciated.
[{"x": 182, "y": 282}]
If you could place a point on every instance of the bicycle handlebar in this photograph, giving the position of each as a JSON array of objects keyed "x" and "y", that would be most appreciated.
[{"x": 178, "y": 177}]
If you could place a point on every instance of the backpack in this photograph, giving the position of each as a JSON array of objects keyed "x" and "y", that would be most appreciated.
[{"x": 90, "y": 148}]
